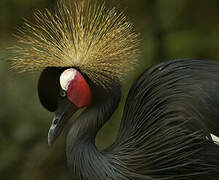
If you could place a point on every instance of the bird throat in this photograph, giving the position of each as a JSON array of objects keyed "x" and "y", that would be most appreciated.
[{"x": 81, "y": 150}]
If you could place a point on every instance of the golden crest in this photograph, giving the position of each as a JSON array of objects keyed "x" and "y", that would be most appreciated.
[{"x": 83, "y": 34}]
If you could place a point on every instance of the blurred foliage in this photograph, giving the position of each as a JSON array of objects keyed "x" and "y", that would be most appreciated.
[{"x": 169, "y": 30}]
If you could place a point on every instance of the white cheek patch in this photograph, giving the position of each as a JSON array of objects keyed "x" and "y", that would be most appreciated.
[{"x": 66, "y": 77}]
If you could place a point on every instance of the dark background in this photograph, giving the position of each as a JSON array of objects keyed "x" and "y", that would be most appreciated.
[{"x": 169, "y": 29}]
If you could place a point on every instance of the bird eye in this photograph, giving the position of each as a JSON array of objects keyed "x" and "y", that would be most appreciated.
[
  {"x": 55, "y": 122},
  {"x": 62, "y": 93}
]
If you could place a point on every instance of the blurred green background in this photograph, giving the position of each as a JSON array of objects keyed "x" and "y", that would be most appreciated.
[{"x": 169, "y": 29}]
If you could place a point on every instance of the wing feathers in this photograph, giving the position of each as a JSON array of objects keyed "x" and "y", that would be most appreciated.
[{"x": 169, "y": 112}]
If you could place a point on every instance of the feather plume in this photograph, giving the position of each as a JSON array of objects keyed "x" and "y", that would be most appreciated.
[{"x": 82, "y": 34}]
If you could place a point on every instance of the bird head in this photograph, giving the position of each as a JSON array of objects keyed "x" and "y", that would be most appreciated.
[
  {"x": 62, "y": 91},
  {"x": 81, "y": 46}
]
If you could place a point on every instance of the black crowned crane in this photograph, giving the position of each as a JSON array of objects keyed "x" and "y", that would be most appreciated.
[{"x": 84, "y": 51}]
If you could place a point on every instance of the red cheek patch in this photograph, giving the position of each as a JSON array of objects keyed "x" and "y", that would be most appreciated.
[{"x": 79, "y": 92}]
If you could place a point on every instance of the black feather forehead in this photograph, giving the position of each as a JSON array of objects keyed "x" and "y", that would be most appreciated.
[{"x": 83, "y": 34}]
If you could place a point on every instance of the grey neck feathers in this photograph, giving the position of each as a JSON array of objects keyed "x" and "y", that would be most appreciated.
[{"x": 84, "y": 159}]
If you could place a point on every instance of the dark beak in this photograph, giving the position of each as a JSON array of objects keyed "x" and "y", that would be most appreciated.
[{"x": 63, "y": 113}]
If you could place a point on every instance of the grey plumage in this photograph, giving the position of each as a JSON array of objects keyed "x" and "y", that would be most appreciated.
[{"x": 165, "y": 129}]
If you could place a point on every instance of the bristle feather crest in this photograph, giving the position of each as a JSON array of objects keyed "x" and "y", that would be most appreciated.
[{"x": 82, "y": 34}]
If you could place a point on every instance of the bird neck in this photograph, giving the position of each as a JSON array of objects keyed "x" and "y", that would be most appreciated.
[{"x": 81, "y": 150}]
